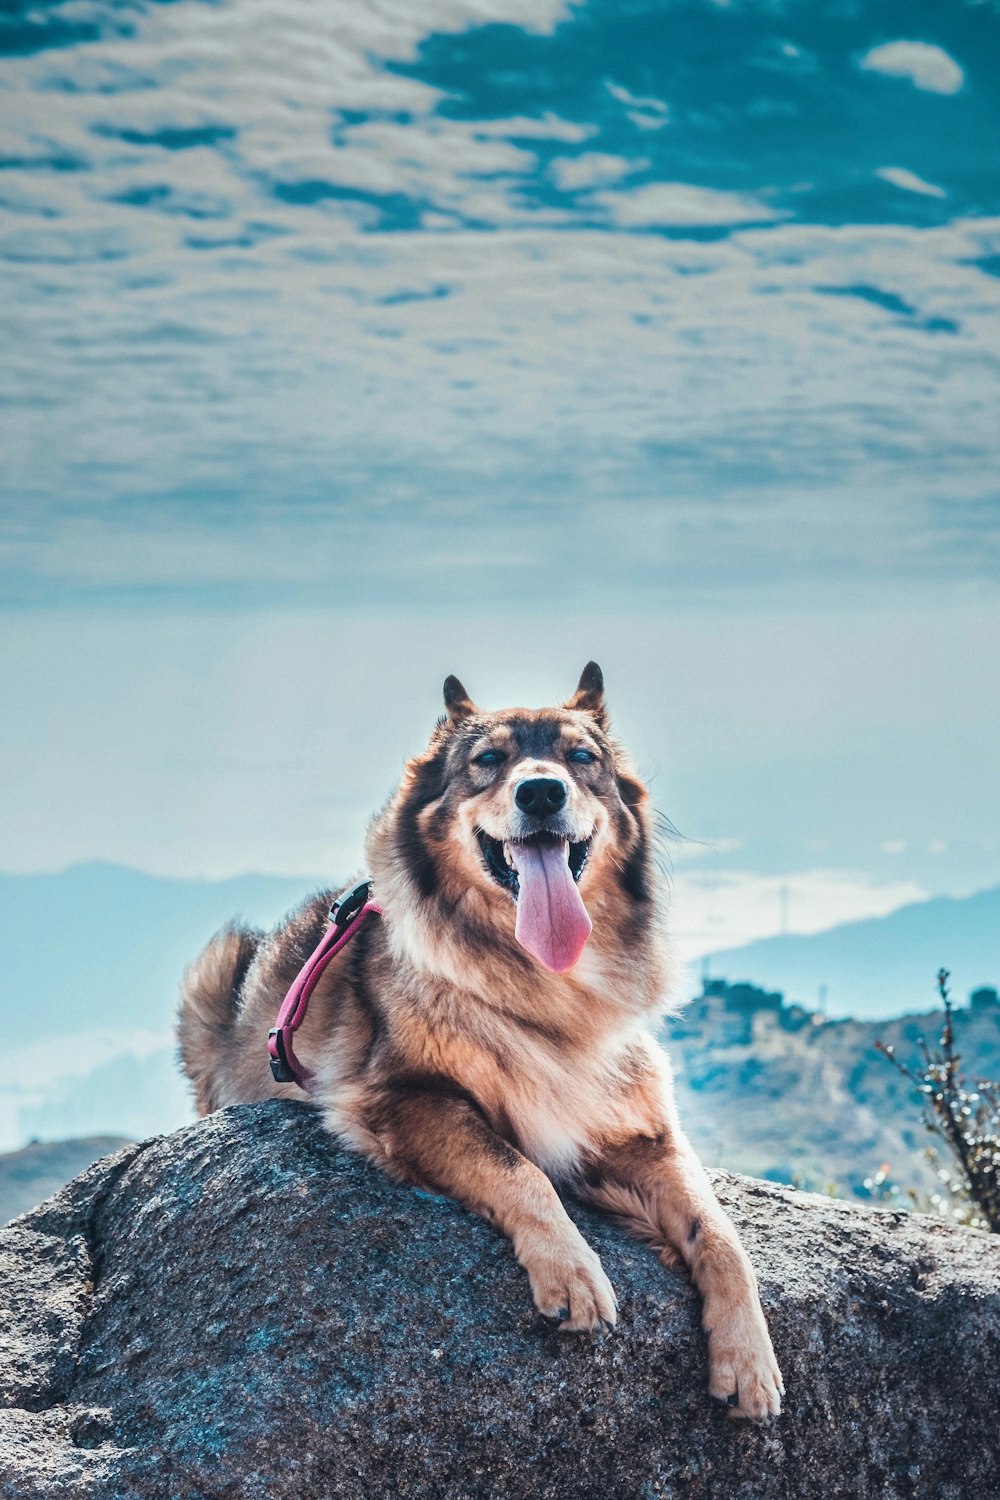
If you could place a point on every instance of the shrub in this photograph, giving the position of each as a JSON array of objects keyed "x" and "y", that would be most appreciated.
[{"x": 966, "y": 1119}]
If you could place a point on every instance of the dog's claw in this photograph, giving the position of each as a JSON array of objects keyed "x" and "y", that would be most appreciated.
[
  {"x": 733, "y": 1400},
  {"x": 562, "y": 1314}
]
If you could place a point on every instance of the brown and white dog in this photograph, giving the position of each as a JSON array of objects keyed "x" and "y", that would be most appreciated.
[{"x": 490, "y": 1036}]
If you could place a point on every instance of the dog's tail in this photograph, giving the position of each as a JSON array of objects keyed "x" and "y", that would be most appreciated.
[{"x": 210, "y": 1005}]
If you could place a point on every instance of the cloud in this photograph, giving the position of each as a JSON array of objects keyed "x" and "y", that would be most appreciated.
[
  {"x": 909, "y": 181},
  {"x": 681, "y": 204},
  {"x": 44, "y": 1073},
  {"x": 720, "y": 909},
  {"x": 645, "y": 112},
  {"x": 444, "y": 164},
  {"x": 591, "y": 169},
  {"x": 926, "y": 66},
  {"x": 297, "y": 273},
  {"x": 548, "y": 127},
  {"x": 570, "y": 369}
]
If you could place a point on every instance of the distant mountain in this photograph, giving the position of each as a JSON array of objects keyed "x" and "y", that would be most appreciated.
[
  {"x": 883, "y": 966},
  {"x": 35, "y": 1172}
]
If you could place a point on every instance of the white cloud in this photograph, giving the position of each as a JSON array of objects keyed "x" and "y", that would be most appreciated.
[
  {"x": 909, "y": 181},
  {"x": 681, "y": 204},
  {"x": 43, "y": 1071},
  {"x": 644, "y": 111},
  {"x": 154, "y": 352},
  {"x": 268, "y": 361},
  {"x": 715, "y": 910},
  {"x": 548, "y": 127},
  {"x": 592, "y": 169},
  {"x": 635, "y": 101},
  {"x": 926, "y": 66},
  {"x": 435, "y": 162},
  {"x": 277, "y": 78}
]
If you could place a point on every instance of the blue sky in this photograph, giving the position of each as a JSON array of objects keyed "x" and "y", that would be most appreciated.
[{"x": 350, "y": 345}]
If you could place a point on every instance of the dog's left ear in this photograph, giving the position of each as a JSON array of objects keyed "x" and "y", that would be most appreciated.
[
  {"x": 589, "y": 694},
  {"x": 457, "y": 701}
]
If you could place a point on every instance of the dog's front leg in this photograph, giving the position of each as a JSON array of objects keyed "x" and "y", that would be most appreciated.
[
  {"x": 441, "y": 1141},
  {"x": 658, "y": 1184}
]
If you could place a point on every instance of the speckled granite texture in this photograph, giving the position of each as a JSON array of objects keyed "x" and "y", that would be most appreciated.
[{"x": 242, "y": 1310}]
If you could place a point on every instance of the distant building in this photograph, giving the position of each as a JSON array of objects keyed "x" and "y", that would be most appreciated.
[
  {"x": 742, "y": 999},
  {"x": 794, "y": 1017},
  {"x": 984, "y": 999},
  {"x": 735, "y": 1013}
]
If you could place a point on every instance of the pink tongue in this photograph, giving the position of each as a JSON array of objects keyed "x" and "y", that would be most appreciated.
[{"x": 552, "y": 921}]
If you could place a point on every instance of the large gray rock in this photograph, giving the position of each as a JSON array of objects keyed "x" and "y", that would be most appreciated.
[{"x": 242, "y": 1310}]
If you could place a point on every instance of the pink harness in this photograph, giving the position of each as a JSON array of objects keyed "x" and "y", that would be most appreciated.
[{"x": 346, "y": 918}]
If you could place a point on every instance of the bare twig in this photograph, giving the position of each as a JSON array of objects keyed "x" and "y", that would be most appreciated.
[{"x": 966, "y": 1119}]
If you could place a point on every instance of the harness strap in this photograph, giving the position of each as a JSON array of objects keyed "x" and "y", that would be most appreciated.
[{"x": 346, "y": 918}]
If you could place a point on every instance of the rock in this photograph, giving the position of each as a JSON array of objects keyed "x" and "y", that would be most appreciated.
[{"x": 242, "y": 1309}]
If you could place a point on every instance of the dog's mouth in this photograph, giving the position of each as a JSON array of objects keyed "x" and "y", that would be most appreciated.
[
  {"x": 541, "y": 873},
  {"x": 498, "y": 856}
]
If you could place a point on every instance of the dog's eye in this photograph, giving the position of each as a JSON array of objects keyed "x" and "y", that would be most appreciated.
[
  {"x": 582, "y": 757},
  {"x": 489, "y": 758}
]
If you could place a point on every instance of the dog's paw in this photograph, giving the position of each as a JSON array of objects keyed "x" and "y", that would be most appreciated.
[
  {"x": 573, "y": 1290},
  {"x": 742, "y": 1369}
]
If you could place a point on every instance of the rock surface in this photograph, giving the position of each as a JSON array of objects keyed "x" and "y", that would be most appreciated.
[{"x": 241, "y": 1309}]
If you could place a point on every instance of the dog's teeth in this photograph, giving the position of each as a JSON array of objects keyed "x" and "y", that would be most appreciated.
[{"x": 506, "y": 855}]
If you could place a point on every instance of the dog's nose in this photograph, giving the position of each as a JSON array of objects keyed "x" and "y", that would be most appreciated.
[{"x": 541, "y": 795}]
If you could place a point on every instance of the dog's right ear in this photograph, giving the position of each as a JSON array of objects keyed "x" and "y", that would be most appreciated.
[
  {"x": 457, "y": 701},
  {"x": 589, "y": 695}
]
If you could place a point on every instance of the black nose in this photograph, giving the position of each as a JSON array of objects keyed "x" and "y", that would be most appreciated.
[{"x": 541, "y": 795}]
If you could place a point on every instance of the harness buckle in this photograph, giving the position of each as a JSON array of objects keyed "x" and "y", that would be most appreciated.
[
  {"x": 280, "y": 1069},
  {"x": 346, "y": 907}
]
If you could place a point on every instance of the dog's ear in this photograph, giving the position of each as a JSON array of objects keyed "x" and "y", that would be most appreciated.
[
  {"x": 457, "y": 701},
  {"x": 589, "y": 694}
]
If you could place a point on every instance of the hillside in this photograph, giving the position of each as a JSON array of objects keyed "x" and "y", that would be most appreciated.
[
  {"x": 779, "y": 1092},
  {"x": 883, "y": 966},
  {"x": 41, "y": 1168}
]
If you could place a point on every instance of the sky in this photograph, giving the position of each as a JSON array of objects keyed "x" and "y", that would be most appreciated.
[{"x": 350, "y": 345}]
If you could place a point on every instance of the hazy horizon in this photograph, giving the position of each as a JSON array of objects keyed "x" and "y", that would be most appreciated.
[
  {"x": 95, "y": 1051},
  {"x": 809, "y": 775}
]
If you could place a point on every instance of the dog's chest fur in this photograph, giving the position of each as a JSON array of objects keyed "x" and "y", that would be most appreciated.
[
  {"x": 569, "y": 1065},
  {"x": 555, "y": 1105}
]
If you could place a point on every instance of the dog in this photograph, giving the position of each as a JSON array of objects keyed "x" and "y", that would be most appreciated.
[{"x": 490, "y": 1037}]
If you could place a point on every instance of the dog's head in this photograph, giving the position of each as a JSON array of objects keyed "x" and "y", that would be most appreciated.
[{"x": 530, "y": 824}]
